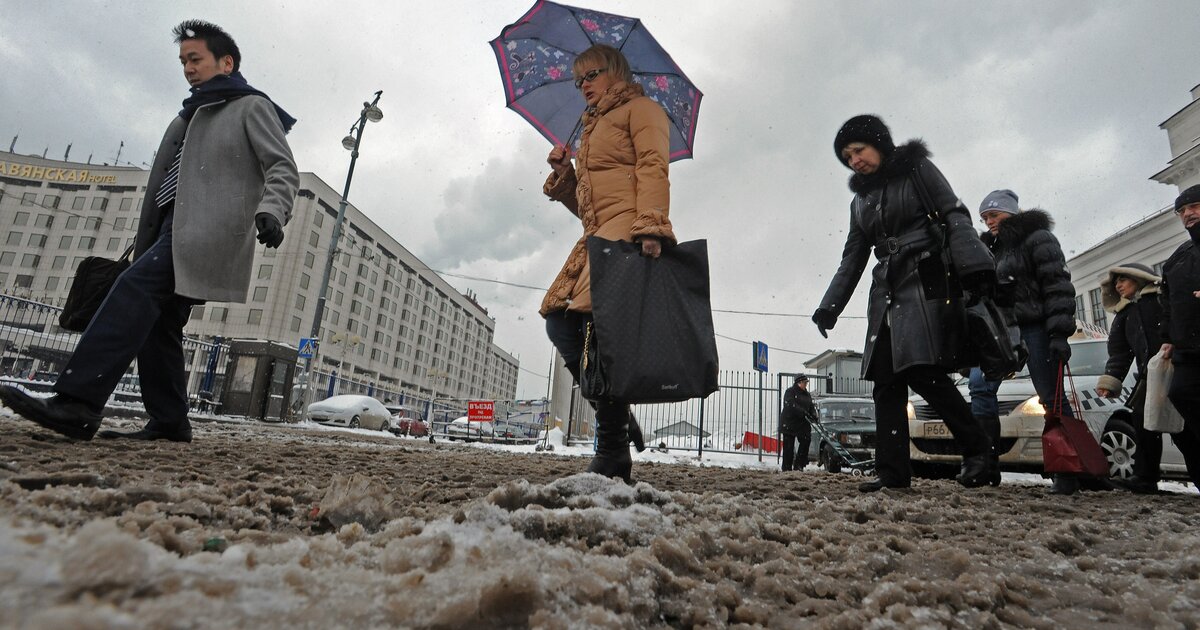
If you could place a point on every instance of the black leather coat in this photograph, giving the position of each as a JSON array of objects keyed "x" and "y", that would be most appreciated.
[
  {"x": 911, "y": 289},
  {"x": 1181, "y": 309},
  {"x": 1032, "y": 271}
]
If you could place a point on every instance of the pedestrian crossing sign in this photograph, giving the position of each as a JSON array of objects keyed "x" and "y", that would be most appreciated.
[
  {"x": 308, "y": 346},
  {"x": 760, "y": 356}
]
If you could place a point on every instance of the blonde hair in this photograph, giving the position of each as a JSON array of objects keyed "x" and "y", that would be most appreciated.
[{"x": 603, "y": 56}]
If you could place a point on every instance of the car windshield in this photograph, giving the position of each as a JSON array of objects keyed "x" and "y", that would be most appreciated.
[
  {"x": 847, "y": 411},
  {"x": 1087, "y": 359}
]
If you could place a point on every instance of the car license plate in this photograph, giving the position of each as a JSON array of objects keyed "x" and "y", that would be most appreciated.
[{"x": 937, "y": 430}]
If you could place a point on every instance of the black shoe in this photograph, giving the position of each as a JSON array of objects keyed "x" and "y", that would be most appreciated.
[
  {"x": 1064, "y": 484},
  {"x": 612, "y": 442},
  {"x": 154, "y": 431},
  {"x": 70, "y": 417},
  {"x": 975, "y": 471},
  {"x": 878, "y": 484}
]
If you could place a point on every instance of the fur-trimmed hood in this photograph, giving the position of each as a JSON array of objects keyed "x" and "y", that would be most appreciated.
[
  {"x": 1016, "y": 228},
  {"x": 1113, "y": 302},
  {"x": 900, "y": 162}
]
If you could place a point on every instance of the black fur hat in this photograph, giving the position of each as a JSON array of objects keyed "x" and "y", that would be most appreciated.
[
  {"x": 1187, "y": 197},
  {"x": 864, "y": 128}
]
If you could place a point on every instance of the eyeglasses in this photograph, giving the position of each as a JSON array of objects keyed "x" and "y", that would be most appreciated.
[{"x": 590, "y": 76}]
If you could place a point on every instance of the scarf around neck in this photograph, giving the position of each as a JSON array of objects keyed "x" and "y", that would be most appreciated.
[{"x": 224, "y": 87}]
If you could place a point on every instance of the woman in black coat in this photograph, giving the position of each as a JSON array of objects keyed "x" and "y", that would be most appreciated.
[
  {"x": 1035, "y": 285},
  {"x": 915, "y": 312},
  {"x": 1130, "y": 293}
]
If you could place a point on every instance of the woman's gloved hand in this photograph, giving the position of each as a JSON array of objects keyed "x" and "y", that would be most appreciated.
[{"x": 825, "y": 320}]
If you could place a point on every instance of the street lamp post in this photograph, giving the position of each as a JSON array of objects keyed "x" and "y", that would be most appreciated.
[{"x": 371, "y": 112}]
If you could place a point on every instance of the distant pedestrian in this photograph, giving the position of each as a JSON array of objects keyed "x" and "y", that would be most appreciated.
[
  {"x": 619, "y": 190},
  {"x": 223, "y": 168},
  {"x": 1180, "y": 299},
  {"x": 1035, "y": 286},
  {"x": 794, "y": 424},
  {"x": 913, "y": 334}
]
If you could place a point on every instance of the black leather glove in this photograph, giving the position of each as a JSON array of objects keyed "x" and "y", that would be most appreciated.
[
  {"x": 979, "y": 284},
  {"x": 270, "y": 233},
  {"x": 825, "y": 320},
  {"x": 1060, "y": 349}
]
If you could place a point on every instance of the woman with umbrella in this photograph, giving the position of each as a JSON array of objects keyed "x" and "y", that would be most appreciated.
[
  {"x": 914, "y": 334},
  {"x": 618, "y": 188}
]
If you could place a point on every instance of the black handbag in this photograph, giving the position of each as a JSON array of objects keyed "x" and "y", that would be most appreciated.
[
  {"x": 992, "y": 342},
  {"x": 995, "y": 341},
  {"x": 651, "y": 338},
  {"x": 94, "y": 278}
]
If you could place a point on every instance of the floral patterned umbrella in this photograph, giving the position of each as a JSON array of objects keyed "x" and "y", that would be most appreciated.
[{"x": 535, "y": 55}]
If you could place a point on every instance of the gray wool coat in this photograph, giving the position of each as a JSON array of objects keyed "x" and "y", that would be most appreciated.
[{"x": 236, "y": 163}]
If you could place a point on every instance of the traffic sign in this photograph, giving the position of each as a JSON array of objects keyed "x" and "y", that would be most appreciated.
[
  {"x": 760, "y": 356},
  {"x": 308, "y": 346},
  {"x": 481, "y": 410}
]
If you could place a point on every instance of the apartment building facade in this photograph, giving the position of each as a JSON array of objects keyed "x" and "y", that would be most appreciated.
[{"x": 389, "y": 320}]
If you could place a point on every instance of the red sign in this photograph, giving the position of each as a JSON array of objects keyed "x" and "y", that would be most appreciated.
[{"x": 481, "y": 411}]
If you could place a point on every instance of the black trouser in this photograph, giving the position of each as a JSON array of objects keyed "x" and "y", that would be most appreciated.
[
  {"x": 1147, "y": 462},
  {"x": 793, "y": 457},
  {"x": 141, "y": 318},
  {"x": 891, "y": 411},
  {"x": 1185, "y": 395},
  {"x": 567, "y": 330}
]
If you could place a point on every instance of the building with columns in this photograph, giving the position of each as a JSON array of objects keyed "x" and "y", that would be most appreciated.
[
  {"x": 389, "y": 321},
  {"x": 1153, "y": 238}
]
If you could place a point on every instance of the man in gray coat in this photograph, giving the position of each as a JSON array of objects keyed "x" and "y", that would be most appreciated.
[{"x": 223, "y": 169}]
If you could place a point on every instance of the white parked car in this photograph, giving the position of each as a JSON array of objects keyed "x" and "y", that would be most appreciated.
[
  {"x": 351, "y": 410},
  {"x": 1022, "y": 419},
  {"x": 461, "y": 429}
]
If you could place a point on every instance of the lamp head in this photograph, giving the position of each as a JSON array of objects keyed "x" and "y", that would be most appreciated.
[
  {"x": 348, "y": 143},
  {"x": 372, "y": 112}
]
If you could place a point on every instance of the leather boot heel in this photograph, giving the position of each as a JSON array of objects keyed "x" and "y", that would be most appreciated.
[{"x": 975, "y": 471}]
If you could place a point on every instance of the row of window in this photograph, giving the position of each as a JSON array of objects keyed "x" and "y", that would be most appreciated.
[{"x": 99, "y": 204}]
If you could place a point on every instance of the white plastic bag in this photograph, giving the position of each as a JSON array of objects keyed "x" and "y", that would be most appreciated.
[{"x": 1161, "y": 415}]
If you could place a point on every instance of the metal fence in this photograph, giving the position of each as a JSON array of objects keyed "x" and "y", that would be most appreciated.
[
  {"x": 740, "y": 418},
  {"x": 34, "y": 349}
]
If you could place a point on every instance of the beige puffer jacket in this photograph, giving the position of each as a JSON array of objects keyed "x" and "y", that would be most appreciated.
[{"x": 618, "y": 187}]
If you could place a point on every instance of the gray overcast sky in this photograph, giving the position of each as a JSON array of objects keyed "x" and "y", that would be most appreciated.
[{"x": 1059, "y": 101}]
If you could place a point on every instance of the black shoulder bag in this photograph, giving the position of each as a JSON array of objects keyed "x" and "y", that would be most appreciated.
[
  {"x": 94, "y": 278},
  {"x": 993, "y": 340}
]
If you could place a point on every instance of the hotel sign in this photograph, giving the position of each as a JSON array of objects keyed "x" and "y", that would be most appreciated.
[{"x": 53, "y": 174}]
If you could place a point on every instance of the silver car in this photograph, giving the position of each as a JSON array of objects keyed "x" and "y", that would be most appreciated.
[{"x": 1022, "y": 420}]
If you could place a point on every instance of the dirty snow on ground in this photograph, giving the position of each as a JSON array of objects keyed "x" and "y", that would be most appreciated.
[{"x": 270, "y": 526}]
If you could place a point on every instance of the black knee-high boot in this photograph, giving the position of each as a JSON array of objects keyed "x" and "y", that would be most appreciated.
[
  {"x": 635, "y": 430},
  {"x": 991, "y": 426},
  {"x": 612, "y": 441}
]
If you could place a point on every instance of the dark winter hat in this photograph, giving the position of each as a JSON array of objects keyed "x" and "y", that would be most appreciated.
[
  {"x": 800, "y": 378},
  {"x": 1189, "y": 196},
  {"x": 1003, "y": 200},
  {"x": 867, "y": 129}
]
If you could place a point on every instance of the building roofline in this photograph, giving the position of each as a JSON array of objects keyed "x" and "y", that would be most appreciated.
[
  {"x": 1125, "y": 230},
  {"x": 1181, "y": 110}
]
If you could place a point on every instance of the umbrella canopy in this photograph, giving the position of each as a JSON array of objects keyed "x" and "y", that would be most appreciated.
[{"x": 536, "y": 53}]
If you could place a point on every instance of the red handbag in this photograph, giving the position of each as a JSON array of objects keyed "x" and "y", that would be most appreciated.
[{"x": 1067, "y": 444}]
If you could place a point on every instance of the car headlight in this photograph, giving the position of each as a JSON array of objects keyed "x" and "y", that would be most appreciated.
[
  {"x": 850, "y": 439},
  {"x": 1032, "y": 407},
  {"x": 912, "y": 411}
]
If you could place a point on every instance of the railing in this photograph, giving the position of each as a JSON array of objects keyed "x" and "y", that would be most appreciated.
[{"x": 34, "y": 349}]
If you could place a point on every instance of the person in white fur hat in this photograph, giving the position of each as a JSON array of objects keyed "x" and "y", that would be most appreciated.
[{"x": 1130, "y": 293}]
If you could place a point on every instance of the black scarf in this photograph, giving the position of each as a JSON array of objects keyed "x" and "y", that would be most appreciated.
[{"x": 224, "y": 87}]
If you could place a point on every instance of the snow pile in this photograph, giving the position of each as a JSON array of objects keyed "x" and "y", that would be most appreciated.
[{"x": 266, "y": 527}]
